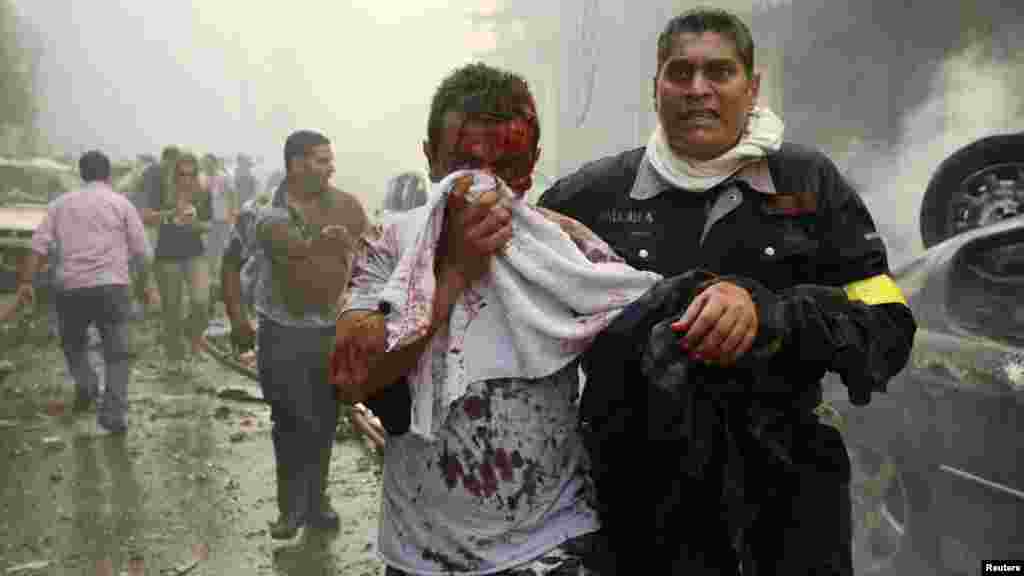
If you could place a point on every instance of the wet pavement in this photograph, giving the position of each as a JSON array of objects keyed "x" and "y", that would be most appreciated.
[{"x": 188, "y": 490}]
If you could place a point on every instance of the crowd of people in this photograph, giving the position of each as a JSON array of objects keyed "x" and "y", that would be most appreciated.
[{"x": 717, "y": 272}]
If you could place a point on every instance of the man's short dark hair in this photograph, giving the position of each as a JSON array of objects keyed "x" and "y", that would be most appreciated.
[
  {"x": 299, "y": 143},
  {"x": 169, "y": 153},
  {"x": 480, "y": 89},
  {"x": 700, "y": 20},
  {"x": 94, "y": 166}
]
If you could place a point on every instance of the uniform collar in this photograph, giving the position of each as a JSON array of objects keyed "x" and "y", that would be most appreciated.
[{"x": 650, "y": 184}]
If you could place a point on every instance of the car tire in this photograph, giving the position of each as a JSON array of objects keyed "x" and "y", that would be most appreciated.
[
  {"x": 908, "y": 546},
  {"x": 944, "y": 188}
]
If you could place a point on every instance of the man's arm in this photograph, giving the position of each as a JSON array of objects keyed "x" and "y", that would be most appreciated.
[
  {"x": 472, "y": 234},
  {"x": 365, "y": 369},
  {"x": 139, "y": 248},
  {"x": 854, "y": 320},
  {"x": 243, "y": 335}
]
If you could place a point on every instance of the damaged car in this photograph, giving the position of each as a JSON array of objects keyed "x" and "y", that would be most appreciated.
[{"x": 937, "y": 482}]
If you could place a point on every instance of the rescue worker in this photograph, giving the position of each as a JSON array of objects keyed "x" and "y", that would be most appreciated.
[{"x": 717, "y": 188}]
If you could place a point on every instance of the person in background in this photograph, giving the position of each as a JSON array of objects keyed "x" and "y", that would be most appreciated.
[
  {"x": 181, "y": 263},
  {"x": 97, "y": 233},
  {"x": 148, "y": 200},
  {"x": 224, "y": 207},
  {"x": 245, "y": 184},
  {"x": 301, "y": 246},
  {"x": 404, "y": 192}
]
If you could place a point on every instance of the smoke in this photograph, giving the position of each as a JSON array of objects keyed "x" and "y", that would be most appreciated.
[{"x": 971, "y": 96}]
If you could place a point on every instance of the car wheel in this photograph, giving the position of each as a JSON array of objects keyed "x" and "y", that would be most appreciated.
[
  {"x": 978, "y": 185},
  {"x": 883, "y": 512}
]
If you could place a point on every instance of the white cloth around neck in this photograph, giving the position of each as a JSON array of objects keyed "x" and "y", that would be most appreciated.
[{"x": 762, "y": 135}]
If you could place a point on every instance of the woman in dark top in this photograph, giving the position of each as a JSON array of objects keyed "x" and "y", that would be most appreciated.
[{"x": 181, "y": 261}]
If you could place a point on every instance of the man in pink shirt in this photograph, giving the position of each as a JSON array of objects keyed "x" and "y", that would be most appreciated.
[{"x": 96, "y": 234}]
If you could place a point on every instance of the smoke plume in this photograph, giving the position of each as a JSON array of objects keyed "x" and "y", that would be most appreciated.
[{"x": 972, "y": 96}]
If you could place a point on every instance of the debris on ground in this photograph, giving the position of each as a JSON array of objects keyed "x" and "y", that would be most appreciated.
[
  {"x": 54, "y": 443},
  {"x": 238, "y": 395},
  {"x": 29, "y": 568}
]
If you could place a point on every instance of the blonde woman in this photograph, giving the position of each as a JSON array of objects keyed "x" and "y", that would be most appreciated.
[{"x": 181, "y": 263}]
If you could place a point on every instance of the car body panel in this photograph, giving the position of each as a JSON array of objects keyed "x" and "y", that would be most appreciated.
[{"x": 955, "y": 415}]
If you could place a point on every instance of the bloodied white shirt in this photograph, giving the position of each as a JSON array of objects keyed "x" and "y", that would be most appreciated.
[{"x": 505, "y": 479}]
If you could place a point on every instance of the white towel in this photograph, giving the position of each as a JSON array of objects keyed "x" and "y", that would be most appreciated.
[{"x": 538, "y": 308}]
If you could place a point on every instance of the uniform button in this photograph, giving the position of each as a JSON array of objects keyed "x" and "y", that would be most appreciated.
[
  {"x": 644, "y": 253},
  {"x": 769, "y": 251}
]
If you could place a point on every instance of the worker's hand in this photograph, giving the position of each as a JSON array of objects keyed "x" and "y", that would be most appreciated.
[
  {"x": 720, "y": 324},
  {"x": 26, "y": 294},
  {"x": 360, "y": 337}
]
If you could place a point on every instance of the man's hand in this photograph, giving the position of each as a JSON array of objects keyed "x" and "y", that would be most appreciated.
[
  {"x": 360, "y": 337},
  {"x": 720, "y": 324},
  {"x": 185, "y": 215},
  {"x": 26, "y": 294},
  {"x": 474, "y": 232},
  {"x": 152, "y": 295},
  {"x": 243, "y": 336},
  {"x": 338, "y": 239}
]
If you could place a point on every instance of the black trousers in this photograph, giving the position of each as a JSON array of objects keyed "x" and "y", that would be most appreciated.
[
  {"x": 804, "y": 524},
  {"x": 107, "y": 308},
  {"x": 293, "y": 365}
]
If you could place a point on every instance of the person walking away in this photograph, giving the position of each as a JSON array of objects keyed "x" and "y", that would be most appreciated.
[{"x": 98, "y": 234}]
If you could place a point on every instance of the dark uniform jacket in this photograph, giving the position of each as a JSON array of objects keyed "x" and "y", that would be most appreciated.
[{"x": 794, "y": 250}]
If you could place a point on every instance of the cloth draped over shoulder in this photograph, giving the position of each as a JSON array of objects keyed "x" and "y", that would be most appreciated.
[{"x": 537, "y": 309}]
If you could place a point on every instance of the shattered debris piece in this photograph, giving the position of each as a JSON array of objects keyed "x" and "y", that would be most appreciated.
[
  {"x": 29, "y": 568},
  {"x": 238, "y": 395},
  {"x": 54, "y": 443}
]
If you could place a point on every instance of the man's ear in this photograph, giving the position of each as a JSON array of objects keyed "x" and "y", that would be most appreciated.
[{"x": 428, "y": 152}]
